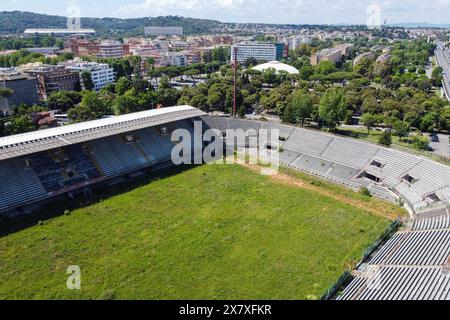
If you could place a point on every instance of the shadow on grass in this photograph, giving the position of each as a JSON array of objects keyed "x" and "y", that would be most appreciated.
[{"x": 64, "y": 204}]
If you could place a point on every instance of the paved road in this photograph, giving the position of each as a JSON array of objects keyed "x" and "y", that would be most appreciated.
[
  {"x": 443, "y": 59},
  {"x": 441, "y": 148}
]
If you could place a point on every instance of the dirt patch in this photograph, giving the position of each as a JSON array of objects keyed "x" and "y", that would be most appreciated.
[{"x": 374, "y": 206}]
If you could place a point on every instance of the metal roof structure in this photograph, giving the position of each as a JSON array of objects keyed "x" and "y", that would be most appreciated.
[
  {"x": 37, "y": 141},
  {"x": 59, "y": 31},
  {"x": 277, "y": 66}
]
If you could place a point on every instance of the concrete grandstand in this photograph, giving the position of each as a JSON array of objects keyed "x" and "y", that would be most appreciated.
[
  {"x": 38, "y": 166},
  {"x": 422, "y": 184},
  {"x": 415, "y": 263}
]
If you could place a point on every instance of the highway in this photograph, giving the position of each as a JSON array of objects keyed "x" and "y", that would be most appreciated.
[{"x": 443, "y": 59}]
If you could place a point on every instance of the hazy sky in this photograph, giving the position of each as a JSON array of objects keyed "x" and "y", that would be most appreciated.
[{"x": 269, "y": 11}]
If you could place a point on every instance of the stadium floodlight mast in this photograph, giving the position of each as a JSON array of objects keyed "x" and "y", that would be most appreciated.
[{"x": 235, "y": 66}]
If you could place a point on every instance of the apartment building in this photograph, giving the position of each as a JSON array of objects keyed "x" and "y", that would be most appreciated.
[
  {"x": 333, "y": 54},
  {"x": 178, "y": 59},
  {"x": 24, "y": 89},
  {"x": 101, "y": 73},
  {"x": 346, "y": 49},
  {"x": 54, "y": 78},
  {"x": 110, "y": 49},
  {"x": 258, "y": 51}
]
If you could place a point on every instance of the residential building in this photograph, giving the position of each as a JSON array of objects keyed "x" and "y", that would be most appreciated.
[
  {"x": 346, "y": 49},
  {"x": 296, "y": 41},
  {"x": 24, "y": 89},
  {"x": 101, "y": 73},
  {"x": 54, "y": 78},
  {"x": 258, "y": 51},
  {"x": 222, "y": 40},
  {"x": 333, "y": 54},
  {"x": 110, "y": 49},
  {"x": 362, "y": 56},
  {"x": 192, "y": 56},
  {"x": 177, "y": 59},
  {"x": 81, "y": 47}
]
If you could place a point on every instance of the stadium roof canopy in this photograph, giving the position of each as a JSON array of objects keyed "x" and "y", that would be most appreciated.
[
  {"x": 278, "y": 66},
  {"x": 59, "y": 31},
  {"x": 42, "y": 140}
]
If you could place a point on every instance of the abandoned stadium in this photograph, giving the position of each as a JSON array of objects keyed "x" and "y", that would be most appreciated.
[{"x": 41, "y": 167}]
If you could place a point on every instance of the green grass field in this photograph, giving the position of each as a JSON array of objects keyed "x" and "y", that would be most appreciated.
[{"x": 211, "y": 232}]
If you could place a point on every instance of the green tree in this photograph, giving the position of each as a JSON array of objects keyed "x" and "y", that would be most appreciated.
[
  {"x": 20, "y": 124},
  {"x": 303, "y": 106},
  {"x": 333, "y": 107},
  {"x": 192, "y": 73},
  {"x": 444, "y": 119},
  {"x": 436, "y": 76},
  {"x": 127, "y": 103},
  {"x": 123, "y": 85},
  {"x": 401, "y": 129},
  {"x": 306, "y": 72},
  {"x": 325, "y": 68},
  {"x": 86, "y": 80},
  {"x": 90, "y": 108},
  {"x": 6, "y": 92},
  {"x": 250, "y": 62},
  {"x": 429, "y": 122},
  {"x": 420, "y": 142},
  {"x": 371, "y": 105},
  {"x": 365, "y": 67},
  {"x": 200, "y": 101},
  {"x": 215, "y": 101},
  {"x": 369, "y": 120},
  {"x": 385, "y": 139},
  {"x": 63, "y": 100}
]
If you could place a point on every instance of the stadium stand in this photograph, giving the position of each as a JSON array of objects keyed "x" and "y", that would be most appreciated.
[
  {"x": 401, "y": 283},
  {"x": 422, "y": 184},
  {"x": 412, "y": 265},
  {"x": 40, "y": 165},
  {"x": 440, "y": 222},
  {"x": 19, "y": 184}
]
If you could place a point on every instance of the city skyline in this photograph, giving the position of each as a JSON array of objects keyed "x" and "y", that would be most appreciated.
[{"x": 287, "y": 12}]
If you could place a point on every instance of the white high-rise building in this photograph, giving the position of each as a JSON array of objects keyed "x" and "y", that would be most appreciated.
[
  {"x": 258, "y": 51},
  {"x": 102, "y": 74}
]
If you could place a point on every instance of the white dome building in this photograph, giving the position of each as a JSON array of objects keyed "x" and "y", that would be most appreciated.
[{"x": 278, "y": 66}]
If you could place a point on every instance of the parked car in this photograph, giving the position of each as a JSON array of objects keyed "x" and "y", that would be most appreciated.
[{"x": 434, "y": 138}]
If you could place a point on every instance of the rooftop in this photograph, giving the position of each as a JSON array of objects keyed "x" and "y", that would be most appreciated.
[
  {"x": 10, "y": 74},
  {"x": 59, "y": 31},
  {"x": 42, "y": 140},
  {"x": 278, "y": 66}
]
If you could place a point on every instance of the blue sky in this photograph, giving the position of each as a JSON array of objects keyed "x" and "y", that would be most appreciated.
[{"x": 270, "y": 11}]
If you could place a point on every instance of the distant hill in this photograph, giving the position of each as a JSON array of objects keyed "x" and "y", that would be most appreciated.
[
  {"x": 16, "y": 22},
  {"x": 420, "y": 25}
]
